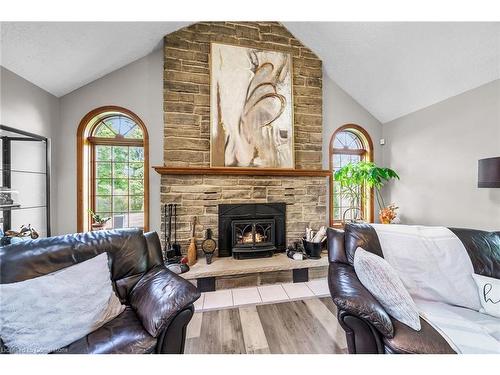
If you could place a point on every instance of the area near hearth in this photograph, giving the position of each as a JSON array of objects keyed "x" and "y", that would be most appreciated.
[
  {"x": 227, "y": 272},
  {"x": 229, "y": 266}
]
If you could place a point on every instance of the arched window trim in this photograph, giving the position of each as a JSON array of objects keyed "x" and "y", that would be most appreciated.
[
  {"x": 83, "y": 157},
  {"x": 367, "y": 153}
]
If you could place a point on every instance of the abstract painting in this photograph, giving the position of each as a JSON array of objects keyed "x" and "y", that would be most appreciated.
[{"x": 251, "y": 108}]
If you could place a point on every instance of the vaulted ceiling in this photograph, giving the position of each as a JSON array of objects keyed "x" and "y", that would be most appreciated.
[
  {"x": 60, "y": 57},
  {"x": 391, "y": 69}
]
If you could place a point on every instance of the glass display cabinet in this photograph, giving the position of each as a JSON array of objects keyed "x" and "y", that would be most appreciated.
[{"x": 24, "y": 180}]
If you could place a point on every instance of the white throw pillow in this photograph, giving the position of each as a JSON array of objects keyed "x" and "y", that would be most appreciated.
[
  {"x": 383, "y": 282},
  {"x": 432, "y": 263},
  {"x": 43, "y": 314},
  {"x": 489, "y": 294}
]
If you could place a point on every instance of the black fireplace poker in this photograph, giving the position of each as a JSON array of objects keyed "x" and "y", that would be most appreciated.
[
  {"x": 168, "y": 228},
  {"x": 176, "y": 246},
  {"x": 172, "y": 250}
]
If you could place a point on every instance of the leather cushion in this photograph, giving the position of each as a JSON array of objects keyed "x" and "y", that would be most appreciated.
[
  {"x": 336, "y": 249},
  {"x": 483, "y": 249},
  {"x": 158, "y": 296},
  {"x": 361, "y": 235},
  {"x": 123, "y": 335},
  {"x": 124, "y": 286},
  {"x": 154, "y": 249},
  {"x": 409, "y": 341},
  {"x": 127, "y": 250},
  {"x": 351, "y": 296}
]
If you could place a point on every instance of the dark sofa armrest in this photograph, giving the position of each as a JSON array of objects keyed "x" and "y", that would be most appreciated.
[
  {"x": 353, "y": 298},
  {"x": 159, "y": 296}
]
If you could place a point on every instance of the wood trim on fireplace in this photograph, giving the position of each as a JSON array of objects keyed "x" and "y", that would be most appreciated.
[{"x": 233, "y": 171}]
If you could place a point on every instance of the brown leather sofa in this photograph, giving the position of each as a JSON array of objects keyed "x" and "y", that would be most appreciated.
[
  {"x": 159, "y": 303},
  {"x": 368, "y": 327}
]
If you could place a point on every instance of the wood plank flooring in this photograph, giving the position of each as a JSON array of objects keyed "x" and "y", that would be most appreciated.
[{"x": 295, "y": 327}]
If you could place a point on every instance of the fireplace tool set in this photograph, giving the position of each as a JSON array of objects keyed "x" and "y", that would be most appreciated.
[{"x": 172, "y": 250}]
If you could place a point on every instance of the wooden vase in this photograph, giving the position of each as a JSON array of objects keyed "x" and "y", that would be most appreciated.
[{"x": 192, "y": 253}]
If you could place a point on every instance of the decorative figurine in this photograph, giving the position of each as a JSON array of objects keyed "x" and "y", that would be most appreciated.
[
  {"x": 26, "y": 231},
  {"x": 208, "y": 246}
]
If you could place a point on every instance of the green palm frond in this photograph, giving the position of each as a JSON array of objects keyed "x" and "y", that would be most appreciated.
[{"x": 353, "y": 176}]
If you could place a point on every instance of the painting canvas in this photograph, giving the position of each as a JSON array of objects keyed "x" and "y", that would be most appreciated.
[{"x": 251, "y": 108}]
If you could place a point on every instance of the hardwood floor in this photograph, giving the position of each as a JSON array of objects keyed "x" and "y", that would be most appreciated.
[{"x": 296, "y": 327}]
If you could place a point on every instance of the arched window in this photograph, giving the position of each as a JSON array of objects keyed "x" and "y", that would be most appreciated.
[
  {"x": 113, "y": 178},
  {"x": 349, "y": 144}
]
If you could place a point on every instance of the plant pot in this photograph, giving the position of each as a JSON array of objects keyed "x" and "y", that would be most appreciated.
[{"x": 98, "y": 226}]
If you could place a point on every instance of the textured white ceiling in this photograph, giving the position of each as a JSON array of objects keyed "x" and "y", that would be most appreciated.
[
  {"x": 392, "y": 69},
  {"x": 60, "y": 57}
]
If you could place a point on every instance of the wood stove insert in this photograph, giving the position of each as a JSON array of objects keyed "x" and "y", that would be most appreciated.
[
  {"x": 251, "y": 236},
  {"x": 251, "y": 230}
]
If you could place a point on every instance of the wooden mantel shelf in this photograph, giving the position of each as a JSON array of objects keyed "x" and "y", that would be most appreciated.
[{"x": 242, "y": 171}]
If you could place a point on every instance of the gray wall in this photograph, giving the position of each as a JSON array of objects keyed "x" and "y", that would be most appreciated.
[
  {"x": 137, "y": 87},
  {"x": 435, "y": 151},
  {"x": 339, "y": 108},
  {"x": 28, "y": 107}
]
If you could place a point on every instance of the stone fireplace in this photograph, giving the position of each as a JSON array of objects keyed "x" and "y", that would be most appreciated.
[{"x": 187, "y": 139}]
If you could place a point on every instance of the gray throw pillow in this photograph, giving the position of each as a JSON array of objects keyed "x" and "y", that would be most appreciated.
[
  {"x": 384, "y": 284},
  {"x": 43, "y": 314}
]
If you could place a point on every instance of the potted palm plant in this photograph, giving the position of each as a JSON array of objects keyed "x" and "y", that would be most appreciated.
[
  {"x": 98, "y": 222},
  {"x": 353, "y": 177}
]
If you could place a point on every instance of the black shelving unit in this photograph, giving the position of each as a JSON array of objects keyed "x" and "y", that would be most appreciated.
[{"x": 10, "y": 137}]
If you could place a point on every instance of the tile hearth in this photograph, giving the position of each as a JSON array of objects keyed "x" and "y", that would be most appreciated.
[{"x": 229, "y": 298}]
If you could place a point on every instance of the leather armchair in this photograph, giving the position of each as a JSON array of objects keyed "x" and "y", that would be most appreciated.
[
  {"x": 368, "y": 327},
  {"x": 159, "y": 303}
]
